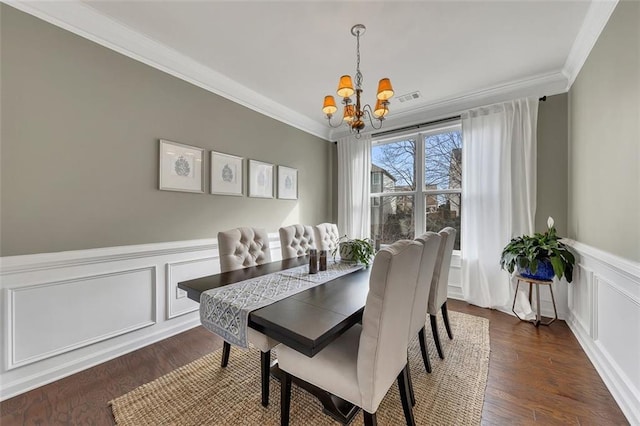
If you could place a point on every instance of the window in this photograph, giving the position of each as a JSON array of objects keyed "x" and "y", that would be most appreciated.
[{"x": 407, "y": 200}]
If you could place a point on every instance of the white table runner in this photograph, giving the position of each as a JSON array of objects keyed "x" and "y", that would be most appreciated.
[{"x": 225, "y": 310}]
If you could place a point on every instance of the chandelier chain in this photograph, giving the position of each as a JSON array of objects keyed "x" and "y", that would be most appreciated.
[{"x": 358, "y": 73}]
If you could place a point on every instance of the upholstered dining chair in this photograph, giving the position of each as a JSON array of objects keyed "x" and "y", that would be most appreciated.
[
  {"x": 439, "y": 284},
  {"x": 240, "y": 248},
  {"x": 361, "y": 365},
  {"x": 296, "y": 240},
  {"x": 326, "y": 236},
  {"x": 430, "y": 246}
]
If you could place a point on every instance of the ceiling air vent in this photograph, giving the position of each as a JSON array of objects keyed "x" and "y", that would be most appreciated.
[{"x": 409, "y": 97}]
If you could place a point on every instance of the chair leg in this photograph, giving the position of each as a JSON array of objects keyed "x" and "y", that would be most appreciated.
[
  {"x": 412, "y": 395},
  {"x": 423, "y": 348},
  {"x": 436, "y": 338},
  {"x": 404, "y": 396},
  {"x": 226, "y": 349},
  {"x": 285, "y": 398},
  {"x": 265, "y": 364},
  {"x": 370, "y": 419},
  {"x": 445, "y": 317}
]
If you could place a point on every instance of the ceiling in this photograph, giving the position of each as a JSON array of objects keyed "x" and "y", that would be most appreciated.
[{"x": 281, "y": 58}]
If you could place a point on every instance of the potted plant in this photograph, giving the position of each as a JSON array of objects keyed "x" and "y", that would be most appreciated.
[
  {"x": 539, "y": 256},
  {"x": 359, "y": 250}
]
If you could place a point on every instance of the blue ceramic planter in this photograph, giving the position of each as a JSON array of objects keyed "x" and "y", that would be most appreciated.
[{"x": 544, "y": 271}]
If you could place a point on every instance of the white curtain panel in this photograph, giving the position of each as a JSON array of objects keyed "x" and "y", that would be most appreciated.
[
  {"x": 354, "y": 174},
  {"x": 498, "y": 195}
]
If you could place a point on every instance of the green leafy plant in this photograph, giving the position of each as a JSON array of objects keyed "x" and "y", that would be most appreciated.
[
  {"x": 359, "y": 250},
  {"x": 528, "y": 251}
]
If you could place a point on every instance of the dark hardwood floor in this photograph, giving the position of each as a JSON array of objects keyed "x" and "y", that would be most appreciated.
[{"x": 536, "y": 375}]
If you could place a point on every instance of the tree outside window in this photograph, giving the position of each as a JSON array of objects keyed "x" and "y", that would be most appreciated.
[{"x": 443, "y": 181}]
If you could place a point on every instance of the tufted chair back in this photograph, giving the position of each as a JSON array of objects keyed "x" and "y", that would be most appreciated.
[
  {"x": 382, "y": 353},
  {"x": 326, "y": 236},
  {"x": 440, "y": 280},
  {"x": 243, "y": 247},
  {"x": 296, "y": 240},
  {"x": 430, "y": 248}
]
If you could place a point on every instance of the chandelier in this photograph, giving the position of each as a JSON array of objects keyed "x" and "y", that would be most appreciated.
[{"x": 354, "y": 115}]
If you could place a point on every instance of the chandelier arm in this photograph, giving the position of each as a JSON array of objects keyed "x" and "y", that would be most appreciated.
[
  {"x": 331, "y": 124},
  {"x": 367, "y": 111}
]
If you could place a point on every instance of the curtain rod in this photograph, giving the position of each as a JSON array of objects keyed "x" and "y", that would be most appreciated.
[
  {"x": 417, "y": 126},
  {"x": 428, "y": 123}
]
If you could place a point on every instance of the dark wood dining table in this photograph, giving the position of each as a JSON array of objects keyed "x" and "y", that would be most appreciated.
[{"x": 307, "y": 321}]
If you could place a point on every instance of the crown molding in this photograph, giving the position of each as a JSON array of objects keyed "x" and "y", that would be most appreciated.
[
  {"x": 80, "y": 19},
  {"x": 594, "y": 22},
  {"x": 547, "y": 84}
]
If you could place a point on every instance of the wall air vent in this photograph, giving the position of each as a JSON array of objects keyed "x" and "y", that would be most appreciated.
[{"x": 409, "y": 97}]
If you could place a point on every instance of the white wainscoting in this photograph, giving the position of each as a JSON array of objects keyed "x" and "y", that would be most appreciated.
[
  {"x": 604, "y": 315},
  {"x": 65, "y": 312},
  {"x": 454, "y": 291}
]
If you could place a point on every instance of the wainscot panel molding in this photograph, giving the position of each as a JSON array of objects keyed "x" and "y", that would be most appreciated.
[
  {"x": 43, "y": 323},
  {"x": 604, "y": 315},
  {"x": 183, "y": 271}
]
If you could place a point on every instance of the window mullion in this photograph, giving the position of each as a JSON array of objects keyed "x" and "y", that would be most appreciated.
[
  {"x": 443, "y": 191},
  {"x": 419, "y": 200}
]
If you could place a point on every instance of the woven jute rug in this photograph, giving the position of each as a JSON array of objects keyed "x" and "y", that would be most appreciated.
[{"x": 203, "y": 393}]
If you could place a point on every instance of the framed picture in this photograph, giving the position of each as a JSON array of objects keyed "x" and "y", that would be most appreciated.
[
  {"x": 287, "y": 183},
  {"x": 260, "y": 179},
  {"x": 181, "y": 167},
  {"x": 226, "y": 174}
]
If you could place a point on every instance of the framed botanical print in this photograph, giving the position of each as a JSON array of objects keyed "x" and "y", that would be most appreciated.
[
  {"x": 260, "y": 179},
  {"x": 181, "y": 167},
  {"x": 287, "y": 183},
  {"x": 226, "y": 174}
]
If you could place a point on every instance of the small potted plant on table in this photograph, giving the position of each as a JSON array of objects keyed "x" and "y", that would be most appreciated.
[
  {"x": 359, "y": 250},
  {"x": 540, "y": 256}
]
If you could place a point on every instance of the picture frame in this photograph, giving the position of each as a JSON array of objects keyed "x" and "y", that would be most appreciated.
[
  {"x": 287, "y": 183},
  {"x": 260, "y": 179},
  {"x": 226, "y": 174},
  {"x": 181, "y": 167}
]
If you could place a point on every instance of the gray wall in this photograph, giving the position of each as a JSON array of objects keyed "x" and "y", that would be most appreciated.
[
  {"x": 79, "y": 149},
  {"x": 551, "y": 197},
  {"x": 604, "y": 139}
]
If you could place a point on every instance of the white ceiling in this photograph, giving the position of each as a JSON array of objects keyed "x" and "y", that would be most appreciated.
[{"x": 281, "y": 58}]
